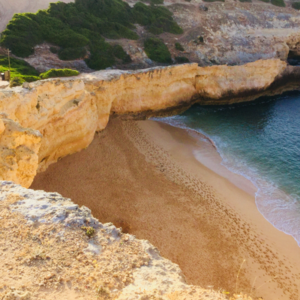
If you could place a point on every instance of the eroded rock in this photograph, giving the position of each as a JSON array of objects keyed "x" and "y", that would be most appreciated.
[
  {"x": 68, "y": 111},
  {"x": 19, "y": 149},
  {"x": 57, "y": 252}
]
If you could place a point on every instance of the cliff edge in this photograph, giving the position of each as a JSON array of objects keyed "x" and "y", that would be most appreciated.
[
  {"x": 67, "y": 112},
  {"x": 57, "y": 250}
]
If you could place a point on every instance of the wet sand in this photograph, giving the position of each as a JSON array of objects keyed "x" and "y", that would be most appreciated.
[{"x": 166, "y": 185}]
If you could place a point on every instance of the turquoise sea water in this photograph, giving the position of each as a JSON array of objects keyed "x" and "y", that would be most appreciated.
[{"x": 260, "y": 141}]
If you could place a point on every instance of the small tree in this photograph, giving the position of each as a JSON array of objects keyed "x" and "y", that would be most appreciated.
[{"x": 179, "y": 47}]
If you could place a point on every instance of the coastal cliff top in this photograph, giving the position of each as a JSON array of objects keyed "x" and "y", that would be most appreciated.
[
  {"x": 209, "y": 33},
  {"x": 53, "y": 249}
]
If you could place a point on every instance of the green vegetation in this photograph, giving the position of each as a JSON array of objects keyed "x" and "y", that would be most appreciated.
[
  {"x": 157, "y": 50},
  {"x": 154, "y": 1},
  {"x": 16, "y": 81},
  {"x": 19, "y": 68},
  {"x": 119, "y": 53},
  {"x": 179, "y": 47},
  {"x": 296, "y": 5},
  {"x": 72, "y": 53},
  {"x": 245, "y": 0},
  {"x": 266, "y": 1},
  {"x": 89, "y": 231},
  {"x": 101, "y": 56},
  {"x": 199, "y": 40},
  {"x": 21, "y": 71},
  {"x": 214, "y": 0},
  {"x": 278, "y": 3},
  {"x": 181, "y": 59},
  {"x": 59, "y": 73},
  {"x": 54, "y": 50},
  {"x": 74, "y": 27},
  {"x": 157, "y": 19}
]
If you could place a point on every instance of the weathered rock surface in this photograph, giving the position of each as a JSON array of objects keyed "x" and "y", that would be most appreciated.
[
  {"x": 217, "y": 82},
  {"x": 19, "y": 149},
  {"x": 108, "y": 265},
  {"x": 68, "y": 111},
  {"x": 43, "y": 60},
  {"x": 233, "y": 33},
  {"x": 227, "y": 85},
  {"x": 236, "y": 33}
]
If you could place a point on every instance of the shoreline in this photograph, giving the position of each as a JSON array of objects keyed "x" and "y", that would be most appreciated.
[
  {"x": 214, "y": 161},
  {"x": 143, "y": 176},
  {"x": 211, "y": 159},
  {"x": 207, "y": 153}
]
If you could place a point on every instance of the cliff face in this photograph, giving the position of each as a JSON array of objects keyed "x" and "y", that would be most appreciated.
[
  {"x": 19, "y": 149},
  {"x": 236, "y": 32},
  {"x": 68, "y": 112},
  {"x": 62, "y": 111},
  {"x": 141, "y": 91},
  {"x": 227, "y": 85}
]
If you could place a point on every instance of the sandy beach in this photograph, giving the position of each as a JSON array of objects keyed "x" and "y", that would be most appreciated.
[{"x": 167, "y": 185}]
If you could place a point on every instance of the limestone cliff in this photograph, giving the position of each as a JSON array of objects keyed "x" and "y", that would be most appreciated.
[
  {"x": 68, "y": 112},
  {"x": 44, "y": 233},
  {"x": 141, "y": 91},
  {"x": 19, "y": 149},
  {"x": 218, "y": 85},
  {"x": 235, "y": 32}
]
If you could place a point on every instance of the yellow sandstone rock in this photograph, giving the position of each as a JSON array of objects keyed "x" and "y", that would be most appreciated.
[
  {"x": 68, "y": 111},
  {"x": 19, "y": 149},
  {"x": 230, "y": 83}
]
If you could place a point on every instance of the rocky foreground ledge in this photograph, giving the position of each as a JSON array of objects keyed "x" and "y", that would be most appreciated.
[
  {"x": 44, "y": 121},
  {"x": 52, "y": 249}
]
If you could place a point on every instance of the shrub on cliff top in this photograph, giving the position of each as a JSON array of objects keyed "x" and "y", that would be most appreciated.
[
  {"x": 179, "y": 47},
  {"x": 72, "y": 53},
  {"x": 157, "y": 50},
  {"x": 73, "y": 26},
  {"x": 181, "y": 59},
  {"x": 156, "y": 19},
  {"x": 119, "y": 52},
  {"x": 296, "y": 5},
  {"x": 278, "y": 3},
  {"x": 16, "y": 81},
  {"x": 54, "y": 50},
  {"x": 154, "y": 1},
  {"x": 214, "y": 0},
  {"x": 19, "y": 68},
  {"x": 59, "y": 73},
  {"x": 101, "y": 56}
]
